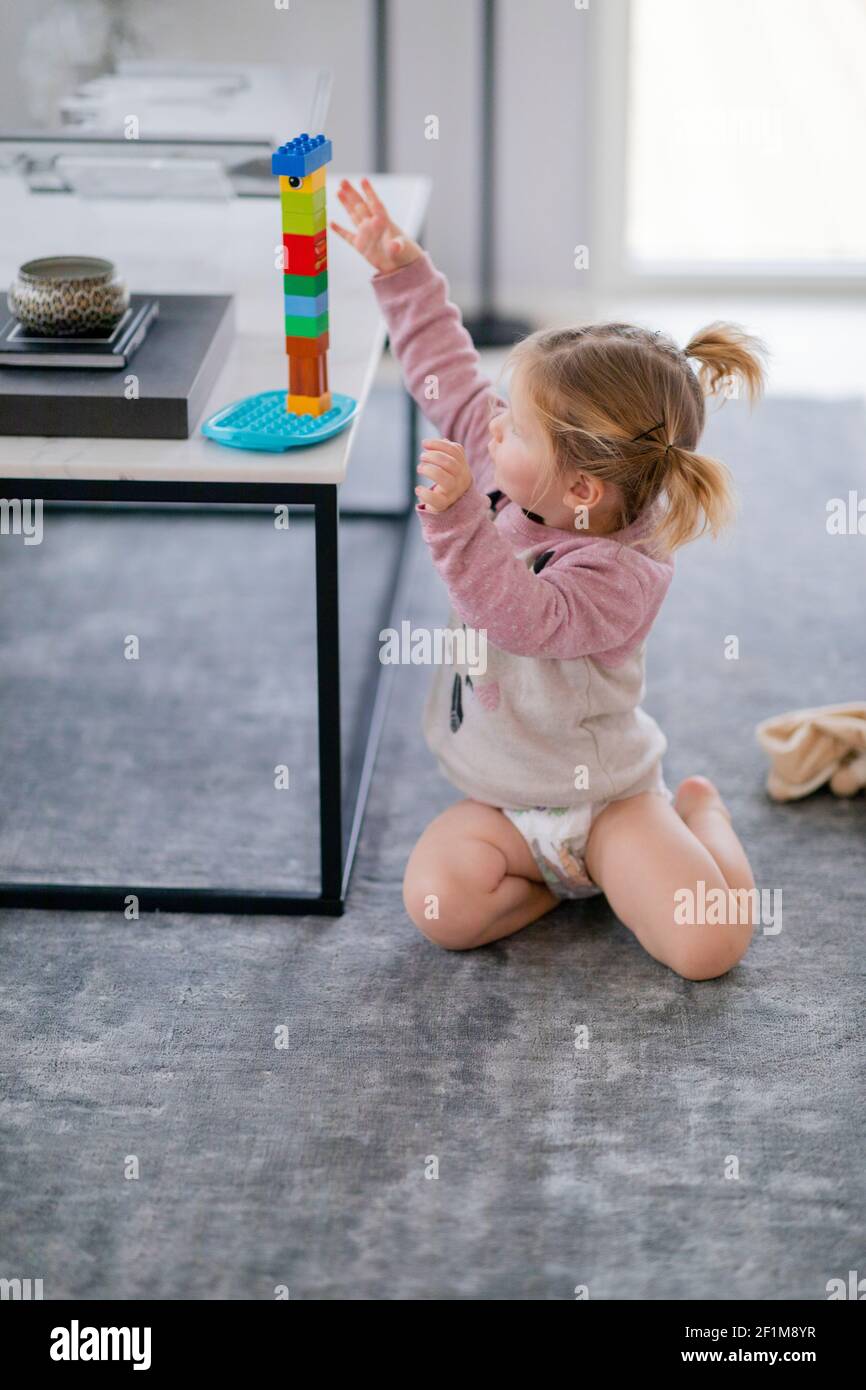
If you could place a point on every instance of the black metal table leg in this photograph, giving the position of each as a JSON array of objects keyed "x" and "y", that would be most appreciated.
[{"x": 328, "y": 691}]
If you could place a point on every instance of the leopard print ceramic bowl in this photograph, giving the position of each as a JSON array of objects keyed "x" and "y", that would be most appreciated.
[{"x": 60, "y": 296}]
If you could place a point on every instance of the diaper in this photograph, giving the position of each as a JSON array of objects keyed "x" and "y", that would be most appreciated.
[{"x": 557, "y": 837}]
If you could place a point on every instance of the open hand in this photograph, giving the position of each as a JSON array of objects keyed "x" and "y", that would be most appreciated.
[
  {"x": 379, "y": 240},
  {"x": 444, "y": 462}
]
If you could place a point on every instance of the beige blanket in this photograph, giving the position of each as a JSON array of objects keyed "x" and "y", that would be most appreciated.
[{"x": 809, "y": 747}]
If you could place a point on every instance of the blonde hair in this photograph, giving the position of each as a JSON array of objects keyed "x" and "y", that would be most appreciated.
[{"x": 624, "y": 404}]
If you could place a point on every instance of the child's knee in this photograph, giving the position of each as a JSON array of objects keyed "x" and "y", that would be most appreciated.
[
  {"x": 442, "y": 909},
  {"x": 708, "y": 952}
]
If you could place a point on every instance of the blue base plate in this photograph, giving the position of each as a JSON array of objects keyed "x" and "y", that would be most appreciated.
[{"x": 262, "y": 422}]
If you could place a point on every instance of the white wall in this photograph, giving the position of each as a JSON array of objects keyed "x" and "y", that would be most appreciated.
[{"x": 542, "y": 156}]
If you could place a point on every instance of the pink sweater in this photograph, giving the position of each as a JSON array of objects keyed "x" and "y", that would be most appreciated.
[{"x": 566, "y": 614}]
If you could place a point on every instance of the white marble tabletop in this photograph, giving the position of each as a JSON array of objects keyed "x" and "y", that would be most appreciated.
[{"x": 160, "y": 252}]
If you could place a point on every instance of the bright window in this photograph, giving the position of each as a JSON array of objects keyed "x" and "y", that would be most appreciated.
[{"x": 746, "y": 138}]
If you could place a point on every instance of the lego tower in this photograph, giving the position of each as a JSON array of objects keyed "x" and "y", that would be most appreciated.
[{"x": 301, "y": 168}]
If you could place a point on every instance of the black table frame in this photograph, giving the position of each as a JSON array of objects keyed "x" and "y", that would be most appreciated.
[{"x": 341, "y": 808}]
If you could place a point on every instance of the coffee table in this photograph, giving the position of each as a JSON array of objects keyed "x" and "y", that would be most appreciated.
[{"x": 204, "y": 473}]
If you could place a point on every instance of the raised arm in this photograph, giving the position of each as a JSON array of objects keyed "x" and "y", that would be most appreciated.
[
  {"x": 440, "y": 364},
  {"x": 439, "y": 361}
]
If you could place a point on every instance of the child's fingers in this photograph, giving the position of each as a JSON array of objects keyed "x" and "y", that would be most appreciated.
[
  {"x": 445, "y": 461},
  {"x": 375, "y": 201},
  {"x": 434, "y": 501},
  {"x": 368, "y": 235},
  {"x": 366, "y": 240},
  {"x": 344, "y": 233},
  {"x": 352, "y": 202},
  {"x": 439, "y": 475},
  {"x": 447, "y": 446}
]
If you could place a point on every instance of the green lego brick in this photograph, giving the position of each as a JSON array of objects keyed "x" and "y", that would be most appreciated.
[
  {"x": 304, "y": 223},
  {"x": 299, "y": 327},
  {"x": 311, "y": 285},
  {"x": 294, "y": 203}
]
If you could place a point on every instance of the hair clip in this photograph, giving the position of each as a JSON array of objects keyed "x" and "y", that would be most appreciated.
[{"x": 659, "y": 426}]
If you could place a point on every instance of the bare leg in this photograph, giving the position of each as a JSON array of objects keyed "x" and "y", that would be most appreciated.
[
  {"x": 700, "y": 806},
  {"x": 471, "y": 879},
  {"x": 643, "y": 853}
]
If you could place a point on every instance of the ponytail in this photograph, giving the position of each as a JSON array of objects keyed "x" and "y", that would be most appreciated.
[
  {"x": 727, "y": 353},
  {"x": 699, "y": 497},
  {"x": 699, "y": 490}
]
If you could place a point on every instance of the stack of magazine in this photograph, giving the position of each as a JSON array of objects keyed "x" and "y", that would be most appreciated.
[{"x": 20, "y": 347}]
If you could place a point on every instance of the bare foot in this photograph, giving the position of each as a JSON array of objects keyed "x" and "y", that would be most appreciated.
[{"x": 698, "y": 794}]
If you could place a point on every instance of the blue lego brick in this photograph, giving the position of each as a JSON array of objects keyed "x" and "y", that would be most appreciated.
[
  {"x": 307, "y": 306},
  {"x": 301, "y": 156}
]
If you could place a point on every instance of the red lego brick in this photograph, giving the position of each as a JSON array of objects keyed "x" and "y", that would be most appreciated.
[{"x": 305, "y": 255}]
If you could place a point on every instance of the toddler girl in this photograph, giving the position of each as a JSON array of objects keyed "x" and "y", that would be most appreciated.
[{"x": 552, "y": 519}]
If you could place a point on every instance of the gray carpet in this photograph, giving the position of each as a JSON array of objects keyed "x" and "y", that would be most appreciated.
[{"x": 305, "y": 1165}]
